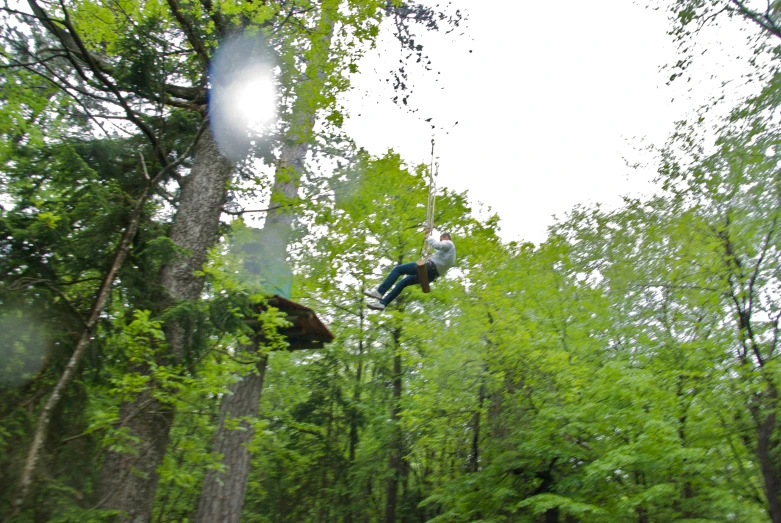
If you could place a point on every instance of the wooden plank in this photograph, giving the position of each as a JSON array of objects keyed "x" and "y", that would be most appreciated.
[
  {"x": 423, "y": 275},
  {"x": 300, "y": 316}
]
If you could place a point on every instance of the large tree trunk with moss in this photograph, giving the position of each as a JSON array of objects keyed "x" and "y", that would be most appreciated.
[{"x": 128, "y": 481}]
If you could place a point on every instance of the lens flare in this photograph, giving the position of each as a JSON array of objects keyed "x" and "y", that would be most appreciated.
[
  {"x": 255, "y": 99},
  {"x": 242, "y": 95},
  {"x": 22, "y": 346}
]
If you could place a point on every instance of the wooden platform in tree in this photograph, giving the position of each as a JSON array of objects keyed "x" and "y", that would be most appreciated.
[{"x": 307, "y": 331}]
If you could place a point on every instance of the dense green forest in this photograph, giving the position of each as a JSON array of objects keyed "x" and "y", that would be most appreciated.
[{"x": 623, "y": 370}]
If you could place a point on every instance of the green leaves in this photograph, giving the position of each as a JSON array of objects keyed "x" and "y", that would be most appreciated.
[{"x": 543, "y": 503}]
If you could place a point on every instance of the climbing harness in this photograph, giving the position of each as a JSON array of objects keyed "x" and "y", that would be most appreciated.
[{"x": 426, "y": 250}]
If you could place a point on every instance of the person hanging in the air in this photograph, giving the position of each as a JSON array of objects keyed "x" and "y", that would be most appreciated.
[{"x": 437, "y": 265}]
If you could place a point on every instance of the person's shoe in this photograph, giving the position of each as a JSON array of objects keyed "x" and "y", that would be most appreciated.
[
  {"x": 376, "y": 306},
  {"x": 373, "y": 294}
]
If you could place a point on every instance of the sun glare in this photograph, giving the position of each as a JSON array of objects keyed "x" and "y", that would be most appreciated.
[
  {"x": 254, "y": 100},
  {"x": 242, "y": 95}
]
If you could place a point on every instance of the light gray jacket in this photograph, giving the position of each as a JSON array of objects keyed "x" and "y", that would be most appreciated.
[{"x": 445, "y": 255}]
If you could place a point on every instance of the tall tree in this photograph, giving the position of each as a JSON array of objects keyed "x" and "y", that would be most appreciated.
[
  {"x": 61, "y": 60},
  {"x": 314, "y": 94},
  {"x": 100, "y": 45}
]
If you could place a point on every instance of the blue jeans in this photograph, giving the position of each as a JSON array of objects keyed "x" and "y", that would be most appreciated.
[{"x": 411, "y": 271}]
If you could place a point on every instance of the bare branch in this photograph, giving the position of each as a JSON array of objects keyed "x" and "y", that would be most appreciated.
[
  {"x": 143, "y": 164},
  {"x": 765, "y": 21},
  {"x": 15, "y": 64}
]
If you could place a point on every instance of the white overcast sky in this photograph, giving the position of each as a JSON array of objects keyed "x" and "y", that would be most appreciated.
[{"x": 549, "y": 103}]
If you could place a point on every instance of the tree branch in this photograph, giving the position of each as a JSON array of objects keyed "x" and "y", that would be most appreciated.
[
  {"x": 189, "y": 32},
  {"x": 765, "y": 21},
  {"x": 96, "y": 70},
  {"x": 215, "y": 15}
]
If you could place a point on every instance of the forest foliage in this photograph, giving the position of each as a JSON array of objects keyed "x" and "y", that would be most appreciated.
[{"x": 625, "y": 369}]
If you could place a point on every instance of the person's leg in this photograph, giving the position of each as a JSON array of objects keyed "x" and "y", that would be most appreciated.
[
  {"x": 406, "y": 282},
  {"x": 398, "y": 271}
]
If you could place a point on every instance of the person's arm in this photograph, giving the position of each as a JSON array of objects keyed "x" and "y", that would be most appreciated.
[{"x": 440, "y": 246}]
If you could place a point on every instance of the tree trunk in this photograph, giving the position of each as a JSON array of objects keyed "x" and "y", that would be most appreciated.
[
  {"x": 766, "y": 448},
  {"x": 323, "y": 500},
  {"x": 474, "y": 457},
  {"x": 277, "y": 234},
  {"x": 351, "y": 498},
  {"x": 227, "y": 489},
  {"x": 128, "y": 481},
  {"x": 394, "y": 457},
  {"x": 226, "y": 499},
  {"x": 354, "y": 415}
]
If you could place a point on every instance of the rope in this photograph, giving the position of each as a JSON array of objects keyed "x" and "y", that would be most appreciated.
[{"x": 433, "y": 171}]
